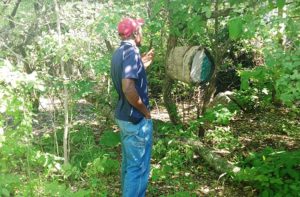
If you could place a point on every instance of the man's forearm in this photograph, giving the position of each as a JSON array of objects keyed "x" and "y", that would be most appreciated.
[{"x": 134, "y": 99}]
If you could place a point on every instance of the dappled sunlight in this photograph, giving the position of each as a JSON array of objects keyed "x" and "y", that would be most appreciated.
[
  {"x": 128, "y": 69},
  {"x": 233, "y": 132},
  {"x": 2, "y": 137}
]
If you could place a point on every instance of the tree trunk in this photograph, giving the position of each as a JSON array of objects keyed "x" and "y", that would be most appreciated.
[
  {"x": 30, "y": 35},
  {"x": 66, "y": 97},
  {"x": 167, "y": 86},
  {"x": 274, "y": 97},
  {"x": 213, "y": 160}
]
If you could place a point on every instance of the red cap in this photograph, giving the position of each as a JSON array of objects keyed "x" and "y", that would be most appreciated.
[{"x": 128, "y": 25}]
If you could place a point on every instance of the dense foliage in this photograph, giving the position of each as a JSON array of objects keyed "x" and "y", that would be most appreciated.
[{"x": 256, "y": 128}]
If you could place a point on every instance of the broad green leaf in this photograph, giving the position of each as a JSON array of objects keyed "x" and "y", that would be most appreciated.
[
  {"x": 110, "y": 138},
  {"x": 235, "y": 28},
  {"x": 232, "y": 2},
  {"x": 265, "y": 193},
  {"x": 280, "y": 3},
  {"x": 5, "y": 192}
]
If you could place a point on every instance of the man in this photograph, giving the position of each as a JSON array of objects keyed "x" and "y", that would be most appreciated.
[{"x": 132, "y": 112}]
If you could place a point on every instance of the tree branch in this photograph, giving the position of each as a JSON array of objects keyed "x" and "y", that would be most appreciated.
[
  {"x": 219, "y": 13},
  {"x": 13, "y": 14}
]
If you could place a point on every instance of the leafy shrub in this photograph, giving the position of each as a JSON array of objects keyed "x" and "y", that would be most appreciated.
[
  {"x": 71, "y": 172},
  {"x": 253, "y": 99},
  {"x": 110, "y": 139},
  {"x": 278, "y": 78},
  {"x": 57, "y": 189},
  {"x": 8, "y": 183},
  {"x": 273, "y": 173},
  {"x": 220, "y": 114},
  {"x": 222, "y": 138},
  {"x": 102, "y": 166},
  {"x": 285, "y": 65}
]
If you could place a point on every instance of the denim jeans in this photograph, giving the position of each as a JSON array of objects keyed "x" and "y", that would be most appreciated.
[{"x": 136, "y": 142}]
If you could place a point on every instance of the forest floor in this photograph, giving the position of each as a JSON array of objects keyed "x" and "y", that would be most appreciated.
[
  {"x": 276, "y": 128},
  {"x": 178, "y": 171}
]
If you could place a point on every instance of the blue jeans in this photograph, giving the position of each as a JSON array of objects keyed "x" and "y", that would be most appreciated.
[{"x": 136, "y": 142}]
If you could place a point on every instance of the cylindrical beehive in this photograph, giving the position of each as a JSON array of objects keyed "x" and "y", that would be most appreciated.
[
  {"x": 190, "y": 64},
  {"x": 179, "y": 63}
]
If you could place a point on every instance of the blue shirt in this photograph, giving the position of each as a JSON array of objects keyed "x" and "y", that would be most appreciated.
[{"x": 127, "y": 64}]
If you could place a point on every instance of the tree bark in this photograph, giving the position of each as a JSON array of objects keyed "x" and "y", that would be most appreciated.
[
  {"x": 167, "y": 86},
  {"x": 215, "y": 161},
  {"x": 31, "y": 34}
]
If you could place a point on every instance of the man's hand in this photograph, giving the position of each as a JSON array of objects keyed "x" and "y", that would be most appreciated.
[
  {"x": 147, "y": 58},
  {"x": 148, "y": 115}
]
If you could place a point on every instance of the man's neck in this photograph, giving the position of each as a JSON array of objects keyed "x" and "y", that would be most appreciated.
[{"x": 131, "y": 41}]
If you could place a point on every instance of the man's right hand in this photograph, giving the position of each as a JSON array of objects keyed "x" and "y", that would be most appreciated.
[{"x": 148, "y": 116}]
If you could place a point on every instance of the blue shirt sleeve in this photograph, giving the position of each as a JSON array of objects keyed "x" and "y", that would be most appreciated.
[{"x": 130, "y": 64}]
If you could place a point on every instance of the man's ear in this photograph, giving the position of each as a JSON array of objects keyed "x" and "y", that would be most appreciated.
[{"x": 135, "y": 34}]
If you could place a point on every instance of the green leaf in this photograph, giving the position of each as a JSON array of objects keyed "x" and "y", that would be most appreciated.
[
  {"x": 81, "y": 193},
  {"x": 235, "y": 26},
  {"x": 280, "y": 3},
  {"x": 271, "y": 4},
  {"x": 265, "y": 193},
  {"x": 232, "y": 2},
  {"x": 110, "y": 138},
  {"x": 5, "y": 192},
  {"x": 207, "y": 11},
  {"x": 244, "y": 83}
]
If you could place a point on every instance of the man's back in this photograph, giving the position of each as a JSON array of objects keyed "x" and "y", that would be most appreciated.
[{"x": 127, "y": 64}]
